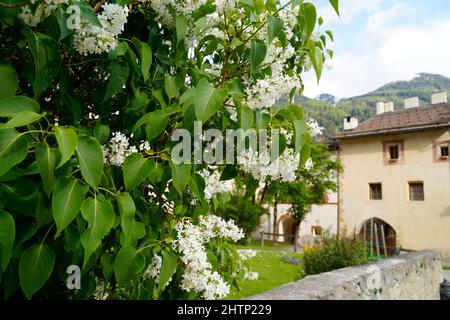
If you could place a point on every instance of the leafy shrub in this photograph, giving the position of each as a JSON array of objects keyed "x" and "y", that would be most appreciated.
[
  {"x": 331, "y": 252},
  {"x": 91, "y": 95}
]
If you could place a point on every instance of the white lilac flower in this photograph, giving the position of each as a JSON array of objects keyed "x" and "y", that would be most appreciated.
[
  {"x": 144, "y": 145},
  {"x": 225, "y": 5},
  {"x": 28, "y": 17},
  {"x": 181, "y": 7},
  {"x": 44, "y": 9},
  {"x": 101, "y": 290},
  {"x": 308, "y": 164},
  {"x": 266, "y": 92},
  {"x": 213, "y": 184},
  {"x": 314, "y": 128},
  {"x": 287, "y": 134},
  {"x": 251, "y": 275},
  {"x": 190, "y": 243},
  {"x": 260, "y": 166},
  {"x": 119, "y": 148},
  {"x": 90, "y": 38},
  {"x": 113, "y": 18},
  {"x": 154, "y": 268},
  {"x": 246, "y": 254}
]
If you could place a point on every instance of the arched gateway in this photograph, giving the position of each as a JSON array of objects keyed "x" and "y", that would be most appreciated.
[{"x": 376, "y": 228}]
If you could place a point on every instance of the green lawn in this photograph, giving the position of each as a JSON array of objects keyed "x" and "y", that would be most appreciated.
[
  {"x": 268, "y": 245},
  {"x": 273, "y": 271}
]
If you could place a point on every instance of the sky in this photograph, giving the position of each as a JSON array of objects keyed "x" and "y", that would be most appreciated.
[{"x": 380, "y": 41}]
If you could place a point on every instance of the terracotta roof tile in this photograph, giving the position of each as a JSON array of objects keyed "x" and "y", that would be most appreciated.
[{"x": 430, "y": 117}]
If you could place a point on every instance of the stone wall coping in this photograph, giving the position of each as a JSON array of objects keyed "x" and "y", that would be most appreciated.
[{"x": 325, "y": 285}]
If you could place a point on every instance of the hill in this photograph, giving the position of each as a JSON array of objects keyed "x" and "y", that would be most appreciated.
[{"x": 362, "y": 107}]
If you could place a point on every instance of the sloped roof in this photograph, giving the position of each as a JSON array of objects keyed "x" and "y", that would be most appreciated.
[{"x": 412, "y": 119}]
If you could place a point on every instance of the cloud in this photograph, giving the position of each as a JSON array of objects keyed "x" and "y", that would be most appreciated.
[
  {"x": 348, "y": 10},
  {"x": 386, "y": 51}
]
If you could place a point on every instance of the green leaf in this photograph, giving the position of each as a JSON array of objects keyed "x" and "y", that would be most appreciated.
[
  {"x": 68, "y": 196},
  {"x": 120, "y": 50},
  {"x": 118, "y": 78},
  {"x": 236, "y": 89},
  {"x": 257, "y": 53},
  {"x": 13, "y": 148},
  {"x": 90, "y": 158},
  {"x": 335, "y": 4},
  {"x": 67, "y": 141},
  {"x": 305, "y": 153},
  {"x": 274, "y": 27},
  {"x": 158, "y": 94},
  {"x": 64, "y": 31},
  {"x": 9, "y": 80},
  {"x": 128, "y": 263},
  {"x": 126, "y": 205},
  {"x": 100, "y": 215},
  {"x": 197, "y": 185},
  {"x": 300, "y": 134},
  {"x": 132, "y": 230},
  {"x": 47, "y": 60},
  {"x": 35, "y": 267},
  {"x": 316, "y": 57},
  {"x": 12, "y": 106},
  {"x": 156, "y": 122},
  {"x": 87, "y": 13},
  {"x": 230, "y": 172},
  {"x": 101, "y": 132},
  {"x": 262, "y": 120},
  {"x": 145, "y": 56},
  {"x": 296, "y": 111},
  {"x": 181, "y": 25},
  {"x": 310, "y": 16},
  {"x": 245, "y": 117},
  {"x": 330, "y": 35},
  {"x": 168, "y": 267},
  {"x": 136, "y": 169},
  {"x": 47, "y": 159},
  {"x": 22, "y": 119},
  {"x": 208, "y": 100},
  {"x": 170, "y": 86},
  {"x": 180, "y": 176},
  {"x": 7, "y": 236}
]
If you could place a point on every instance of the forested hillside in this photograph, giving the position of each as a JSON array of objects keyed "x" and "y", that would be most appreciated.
[{"x": 330, "y": 115}]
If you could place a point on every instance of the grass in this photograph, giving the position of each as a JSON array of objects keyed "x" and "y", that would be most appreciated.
[
  {"x": 273, "y": 271},
  {"x": 268, "y": 245},
  {"x": 446, "y": 267}
]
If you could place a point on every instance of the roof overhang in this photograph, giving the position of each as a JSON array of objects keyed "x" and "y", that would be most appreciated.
[{"x": 354, "y": 135}]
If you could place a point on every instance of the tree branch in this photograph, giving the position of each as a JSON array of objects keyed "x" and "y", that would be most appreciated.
[{"x": 10, "y": 5}]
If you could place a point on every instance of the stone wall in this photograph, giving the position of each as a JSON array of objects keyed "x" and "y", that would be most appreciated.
[{"x": 414, "y": 275}]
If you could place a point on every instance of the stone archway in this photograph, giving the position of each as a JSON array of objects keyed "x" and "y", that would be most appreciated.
[
  {"x": 286, "y": 226},
  {"x": 381, "y": 227}
]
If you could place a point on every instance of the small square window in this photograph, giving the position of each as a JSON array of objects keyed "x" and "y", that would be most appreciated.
[
  {"x": 317, "y": 230},
  {"x": 444, "y": 151},
  {"x": 375, "y": 191},
  {"x": 416, "y": 192},
  {"x": 393, "y": 152}
]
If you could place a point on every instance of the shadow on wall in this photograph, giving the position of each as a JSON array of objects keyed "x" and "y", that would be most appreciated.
[{"x": 445, "y": 213}]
